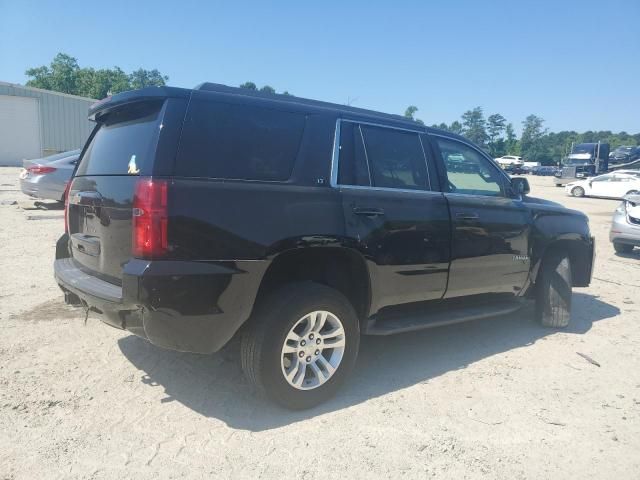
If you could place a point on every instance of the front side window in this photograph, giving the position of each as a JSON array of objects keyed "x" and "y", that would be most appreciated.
[
  {"x": 468, "y": 172},
  {"x": 395, "y": 158},
  {"x": 243, "y": 142},
  {"x": 603, "y": 178}
]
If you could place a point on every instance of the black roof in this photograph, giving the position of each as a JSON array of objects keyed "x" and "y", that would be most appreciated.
[
  {"x": 219, "y": 88},
  {"x": 151, "y": 93}
]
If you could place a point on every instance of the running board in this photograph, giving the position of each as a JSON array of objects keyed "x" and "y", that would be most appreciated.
[{"x": 394, "y": 323}]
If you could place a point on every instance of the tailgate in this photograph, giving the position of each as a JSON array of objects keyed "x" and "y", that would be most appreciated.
[{"x": 101, "y": 193}]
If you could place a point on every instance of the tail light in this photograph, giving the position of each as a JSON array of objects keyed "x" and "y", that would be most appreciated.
[
  {"x": 150, "y": 218},
  {"x": 67, "y": 187},
  {"x": 40, "y": 169}
]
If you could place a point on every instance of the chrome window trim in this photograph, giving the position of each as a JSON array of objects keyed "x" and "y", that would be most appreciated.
[
  {"x": 381, "y": 125},
  {"x": 387, "y": 189},
  {"x": 426, "y": 162},
  {"x": 335, "y": 159},
  {"x": 366, "y": 155},
  {"x": 333, "y": 181}
]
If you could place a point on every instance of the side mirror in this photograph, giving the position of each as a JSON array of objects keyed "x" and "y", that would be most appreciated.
[{"x": 520, "y": 185}]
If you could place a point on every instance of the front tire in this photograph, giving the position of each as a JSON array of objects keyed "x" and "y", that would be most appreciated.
[
  {"x": 553, "y": 303},
  {"x": 577, "y": 192},
  {"x": 301, "y": 345},
  {"x": 622, "y": 248}
]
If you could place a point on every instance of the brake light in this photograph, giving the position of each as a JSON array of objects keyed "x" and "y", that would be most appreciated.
[
  {"x": 150, "y": 218},
  {"x": 67, "y": 187},
  {"x": 40, "y": 169}
]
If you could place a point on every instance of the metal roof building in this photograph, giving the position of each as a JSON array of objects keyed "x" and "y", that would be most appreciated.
[{"x": 36, "y": 123}]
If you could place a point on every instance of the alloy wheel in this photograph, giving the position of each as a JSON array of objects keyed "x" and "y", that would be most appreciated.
[{"x": 313, "y": 350}]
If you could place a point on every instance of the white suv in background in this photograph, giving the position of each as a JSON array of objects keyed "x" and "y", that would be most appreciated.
[{"x": 510, "y": 160}]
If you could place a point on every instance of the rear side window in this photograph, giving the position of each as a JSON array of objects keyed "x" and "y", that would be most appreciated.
[
  {"x": 396, "y": 158},
  {"x": 124, "y": 142},
  {"x": 241, "y": 142}
]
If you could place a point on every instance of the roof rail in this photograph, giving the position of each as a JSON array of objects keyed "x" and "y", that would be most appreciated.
[{"x": 217, "y": 87}]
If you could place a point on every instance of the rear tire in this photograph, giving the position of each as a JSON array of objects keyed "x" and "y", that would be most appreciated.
[
  {"x": 622, "y": 247},
  {"x": 577, "y": 192},
  {"x": 300, "y": 379},
  {"x": 553, "y": 303}
]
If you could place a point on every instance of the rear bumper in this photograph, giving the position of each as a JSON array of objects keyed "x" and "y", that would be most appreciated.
[
  {"x": 186, "y": 306},
  {"x": 41, "y": 190},
  {"x": 625, "y": 238}
]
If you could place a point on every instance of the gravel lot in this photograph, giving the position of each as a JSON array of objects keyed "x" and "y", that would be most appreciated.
[{"x": 502, "y": 398}]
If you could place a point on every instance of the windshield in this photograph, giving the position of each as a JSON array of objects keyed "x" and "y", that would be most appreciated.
[
  {"x": 575, "y": 161},
  {"x": 583, "y": 148}
]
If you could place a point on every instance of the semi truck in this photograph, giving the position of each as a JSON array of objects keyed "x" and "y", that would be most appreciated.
[{"x": 584, "y": 160}]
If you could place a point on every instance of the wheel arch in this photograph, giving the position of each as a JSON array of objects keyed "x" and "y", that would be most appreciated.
[
  {"x": 580, "y": 255},
  {"x": 337, "y": 267}
]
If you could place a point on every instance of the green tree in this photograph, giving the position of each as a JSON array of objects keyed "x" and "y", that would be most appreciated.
[
  {"x": 474, "y": 126},
  {"x": 100, "y": 83},
  {"x": 511, "y": 145},
  {"x": 142, "y": 78},
  {"x": 496, "y": 125},
  {"x": 532, "y": 145},
  {"x": 456, "y": 127},
  {"x": 410, "y": 113},
  {"x": 65, "y": 75},
  {"x": 249, "y": 86},
  {"x": 61, "y": 75},
  {"x": 268, "y": 89}
]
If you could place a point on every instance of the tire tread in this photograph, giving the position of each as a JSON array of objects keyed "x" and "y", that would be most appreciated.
[{"x": 553, "y": 305}]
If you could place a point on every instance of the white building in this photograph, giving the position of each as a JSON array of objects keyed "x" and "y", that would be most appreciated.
[{"x": 35, "y": 123}]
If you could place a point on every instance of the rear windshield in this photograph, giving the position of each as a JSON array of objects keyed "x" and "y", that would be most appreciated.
[
  {"x": 243, "y": 142},
  {"x": 125, "y": 140}
]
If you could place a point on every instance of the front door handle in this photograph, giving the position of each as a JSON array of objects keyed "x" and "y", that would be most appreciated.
[
  {"x": 467, "y": 216},
  {"x": 368, "y": 211}
]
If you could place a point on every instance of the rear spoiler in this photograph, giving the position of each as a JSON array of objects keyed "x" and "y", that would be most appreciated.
[{"x": 107, "y": 104}]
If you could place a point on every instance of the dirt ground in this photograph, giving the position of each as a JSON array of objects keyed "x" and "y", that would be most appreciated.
[{"x": 503, "y": 398}]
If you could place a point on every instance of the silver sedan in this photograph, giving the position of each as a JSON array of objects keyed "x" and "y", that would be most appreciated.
[
  {"x": 625, "y": 226},
  {"x": 47, "y": 177}
]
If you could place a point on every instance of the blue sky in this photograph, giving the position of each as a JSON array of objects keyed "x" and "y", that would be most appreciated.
[{"x": 574, "y": 63}]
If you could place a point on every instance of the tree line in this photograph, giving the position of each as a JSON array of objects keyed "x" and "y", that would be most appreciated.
[
  {"x": 494, "y": 133},
  {"x": 64, "y": 75},
  {"x": 536, "y": 143}
]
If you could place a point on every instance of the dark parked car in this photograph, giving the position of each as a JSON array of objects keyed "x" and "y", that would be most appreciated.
[
  {"x": 624, "y": 154},
  {"x": 198, "y": 215},
  {"x": 515, "y": 169},
  {"x": 545, "y": 171}
]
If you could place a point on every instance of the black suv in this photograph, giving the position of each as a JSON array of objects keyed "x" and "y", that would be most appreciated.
[{"x": 196, "y": 215}]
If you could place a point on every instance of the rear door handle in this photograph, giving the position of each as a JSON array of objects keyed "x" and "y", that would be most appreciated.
[
  {"x": 467, "y": 216},
  {"x": 368, "y": 211}
]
